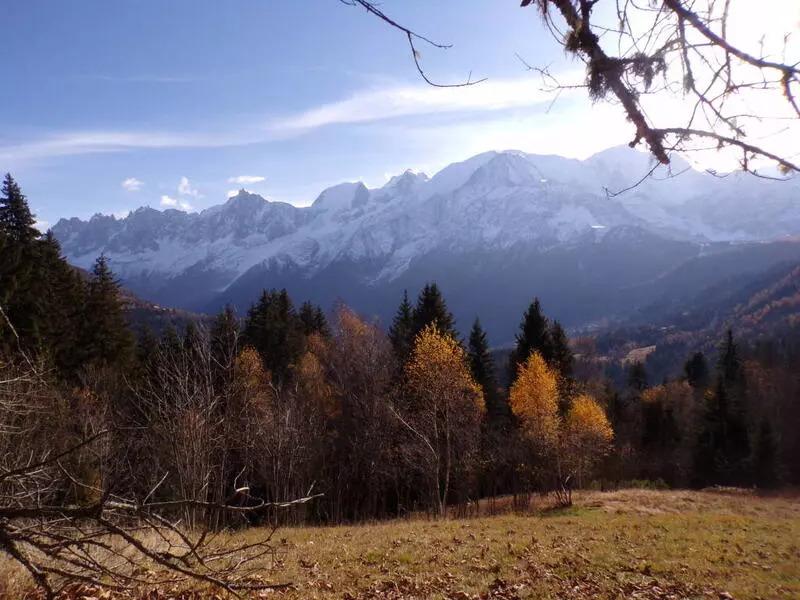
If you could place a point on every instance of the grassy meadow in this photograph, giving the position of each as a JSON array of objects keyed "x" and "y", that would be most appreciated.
[{"x": 626, "y": 544}]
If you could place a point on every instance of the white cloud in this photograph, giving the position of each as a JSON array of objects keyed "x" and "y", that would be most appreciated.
[
  {"x": 185, "y": 188},
  {"x": 131, "y": 184},
  {"x": 402, "y": 101},
  {"x": 232, "y": 193},
  {"x": 171, "y": 202},
  {"x": 91, "y": 142},
  {"x": 246, "y": 179}
]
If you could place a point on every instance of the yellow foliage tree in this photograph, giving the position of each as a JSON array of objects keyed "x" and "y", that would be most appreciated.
[
  {"x": 586, "y": 436},
  {"x": 534, "y": 401},
  {"x": 442, "y": 411}
]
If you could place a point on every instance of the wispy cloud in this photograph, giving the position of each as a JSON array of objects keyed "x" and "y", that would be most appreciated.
[
  {"x": 393, "y": 102},
  {"x": 140, "y": 78},
  {"x": 246, "y": 179},
  {"x": 168, "y": 201},
  {"x": 364, "y": 106},
  {"x": 89, "y": 142},
  {"x": 131, "y": 184}
]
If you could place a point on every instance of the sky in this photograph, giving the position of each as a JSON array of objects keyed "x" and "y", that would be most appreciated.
[{"x": 108, "y": 106}]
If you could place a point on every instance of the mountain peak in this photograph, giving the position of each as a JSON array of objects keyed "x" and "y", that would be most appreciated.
[
  {"x": 409, "y": 179},
  {"x": 344, "y": 196}
]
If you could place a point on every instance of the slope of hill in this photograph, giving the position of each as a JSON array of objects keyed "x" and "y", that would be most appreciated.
[{"x": 755, "y": 305}]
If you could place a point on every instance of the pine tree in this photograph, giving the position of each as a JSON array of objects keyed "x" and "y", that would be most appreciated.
[
  {"x": 312, "y": 320},
  {"x": 696, "y": 371},
  {"x": 225, "y": 346},
  {"x": 107, "y": 338},
  {"x": 534, "y": 336},
  {"x": 562, "y": 357},
  {"x": 481, "y": 364},
  {"x": 273, "y": 329},
  {"x": 21, "y": 283},
  {"x": 637, "y": 376},
  {"x": 723, "y": 447},
  {"x": 16, "y": 220},
  {"x": 765, "y": 457},
  {"x": 729, "y": 364},
  {"x": 431, "y": 309},
  {"x": 401, "y": 333},
  {"x": 146, "y": 351},
  {"x": 62, "y": 300},
  {"x": 225, "y": 335}
]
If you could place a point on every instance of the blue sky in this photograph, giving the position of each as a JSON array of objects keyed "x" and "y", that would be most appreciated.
[
  {"x": 107, "y": 106},
  {"x": 303, "y": 94}
]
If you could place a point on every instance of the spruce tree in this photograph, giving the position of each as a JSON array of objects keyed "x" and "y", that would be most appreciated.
[
  {"x": 224, "y": 336},
  {"x": 637, "y": 376},
  {"x": 481, "y": 364},
  {"x": 765, "y": 457},
  {"x": 723, "y": 448},
  {"x": 696, "y": 371},
  {"x": 107, "y": 338},
  {"x": 273, "y": 329},
  {"x": 21, "y": 283},
  {"x": 729, "y": 365},
  {"x": 62, "y": 300},
  {"x": 401, "y": 333},
  {"x": 432, "y": 309},
  {"x": 562, "y": 357},
  {"x": 534, "y": 335},
  {"x": 16, "y": 220},
  {"x": 312, "y": 320},
  {"x": 146, "y": 351}
]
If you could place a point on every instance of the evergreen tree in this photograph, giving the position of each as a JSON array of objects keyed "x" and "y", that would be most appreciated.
[
  {"x": 62, "y": 301},
  {"x": 273, "y": 329},
  {"x": 224, "y": 338},
  {"x": 765, "y": 457},
  {"x": 723, "y": 447},
  {"x": 401, "y": 333},
  {"x": 312, "y": 320},
  {"x": 146, "y": 351},
  {"x": 696, "y": 371},
  {"x": 431, "y": 309},
  {"x": 481, "y": 364},
  {"x": 534, "y": 335},
  {"x": 107, "y": 338},
  {"x": 21, "y": 283},
  {"x": 171, "y": 343},
  {"x": 637, "y": 376},
  {"x": 562, "y": 357},
  {"x": 729, "y": 365},
  {"x": 16, "y": 220},
  {"x": 225, "y": 335}
]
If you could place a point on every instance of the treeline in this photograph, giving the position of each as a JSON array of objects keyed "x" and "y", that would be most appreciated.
[{"x": 286, "y": 402}]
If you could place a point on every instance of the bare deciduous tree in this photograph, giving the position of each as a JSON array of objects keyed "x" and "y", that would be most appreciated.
[
  {"x": 62, "y": 521},
  {"x": 636, "y": 50}
]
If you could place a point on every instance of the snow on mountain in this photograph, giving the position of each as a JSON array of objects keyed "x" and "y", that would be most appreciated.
[{"x": 490, "y": 202}]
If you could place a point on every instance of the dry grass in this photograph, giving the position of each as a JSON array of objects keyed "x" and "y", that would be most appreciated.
[{"x": 626, "y": 544}]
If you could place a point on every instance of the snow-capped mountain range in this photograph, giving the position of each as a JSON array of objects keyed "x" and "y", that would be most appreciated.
[{"x": 496, "y": 204}]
